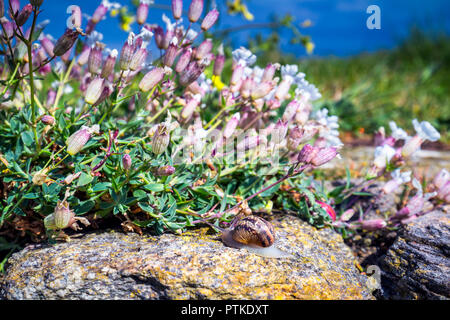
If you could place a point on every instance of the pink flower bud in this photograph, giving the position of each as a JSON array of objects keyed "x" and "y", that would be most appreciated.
[
  {"x": 324, "y": 155},
  {"x": 165, "y": 171},
  {"x": 167, "y": 39},
  {"x": 48, "y": 45},
  {"x": 328, "y": 209},
  {"x": 65, "y": 42},
  {"x": 411, "y": 146},
  {"x": 279, "y": 132},
  {"x": 126, "y": 162},
  {"x": 347, "y": 215},
  {"x": 283, "y": 89},
  {"x": 106, "y": 92},
  {"x": 171, "y": 54},
  {"x": 159, "y": 37},
  {"x": 307, "y": 153},
  {"x": 190, "y": 74},
  {"x": 95, "y": 58},
  {"x": 269, "y": 72},
  {"x": 373, "y": 225},
  {"x": 84, "y": 55},
  {"x": 290, "y": 110},
  {"x": 110, "y": 62},
  {"x": 177, "y": 8},
  {"x": 441, "y": 178},
  {"x": 24, "y": 15},
  {"x": 195, "y": 10},
  {"x": 94, "y": 90},
  {"x": 231, "y": 125},
  {"x": 126, "y": 53},
  {"x": 142, "y": 11},
  {"x": 151, "y": 79},
  {"x": 99, "y": 13},
  {"x": 203, "y": 49},
  {"x": 261, "y": 90},
  {"x": 46, "y": 119},
  {"x": 189, "y": 108},
  {"x": 219, "y": 64},
  {"x": 246, "y": 87},
  {"x": 237, "y": 74},
  {"x": 138, "y": 59},
  {"x": 184, "y": 60},
  {"x": 210, "y": 19},
  {"x": 77, "y": 140}
]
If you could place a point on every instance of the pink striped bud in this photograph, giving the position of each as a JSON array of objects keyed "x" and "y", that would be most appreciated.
[
  {"x": 190, "y": 74},
  {"x": 46, "y": 119},
  {"x": 164, "y": 171},
  {"x": 328, "y": 209},
  {"x": 171, "y": 53},
  {"x": 246, "y": 87},
  {"x": 167, "y": 39},
  {"x": 290, "y": 110},
  {"x": 110, "y": 62},
  {"x": 94, "y": 90},
  {"x": 159, "y": 37},
  {"x": 84, "y": 55},
  {"x": 261, "y": 90},
  {"x": 126, "y": 162},
  {"x": 127, "y": 53},
  {"x": 78, "y": 139},
  {"x": 65, "y": 42},
  {"x": 138, "y": 59},
  {"x": 189, "y": 108},
  {"x": 441, "y": 178},
  {"x": 294, "y": 138},
  {"x": 323, "y": 156},
  {"x": 203, "y": 49},
  {"x": 95, "y": 58},
  {"x": 76, "y": 16},
  {"x": 231, "y": 125},
  {"x": 269, "y": 72},
  {"x": 48, "y": 45},
  {"x": 283, "y": 89},
  {"x": 195, "y": 10},
  {"x": 411, "y": 146},
  {"x": 151, "y": 79},
  {"x": 219, "y": 62},
  {"x": 177, "y": 8},
  {"x": 307, "y": 153},
  {"x": 161, "y": 139},
  {"x": 142, "y": 11},
  {"x": 106, "y": 92},
  {"x": 184, "y": 60},
  {"x": 210, "y": 19},
  {"x": 237, "y": 74},
  {"x": 99, "y": 13},
  {"x": 373, "y": 225},
  {"x": 24, "y": 15}
]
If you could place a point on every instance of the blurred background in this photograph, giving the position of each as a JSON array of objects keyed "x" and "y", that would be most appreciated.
[{"x": 366, "y": 77}]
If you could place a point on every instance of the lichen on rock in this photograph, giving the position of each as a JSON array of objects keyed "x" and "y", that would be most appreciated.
[{"x": 195, "y": 265}]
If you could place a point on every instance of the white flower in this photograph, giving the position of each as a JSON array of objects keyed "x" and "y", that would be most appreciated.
[
  {"x": 289, "y": 71},
  {"x": 111, "y": 5},
  {"x": 244, "y": 57},
  {"x": 146, "y": 36},
  {"x": 397, "y": 133},
  {"x": 426, "y": 131},
  {"x": 401, "y": 177},
  {"x": 383, "y": 154},
  {"x": 94, "y": 37},
  {"x": 191, "y": 34},
  {"x": 308, "y": 90},
  {"x": 169, "y": 25},
  {"x": 328, "y": 129}
]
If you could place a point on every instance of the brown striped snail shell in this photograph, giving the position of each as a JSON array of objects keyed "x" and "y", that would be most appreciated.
[{"x": 254, "y": 234}]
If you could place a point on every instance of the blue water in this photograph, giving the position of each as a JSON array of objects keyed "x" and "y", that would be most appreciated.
[{"x": 339, "y": 27}]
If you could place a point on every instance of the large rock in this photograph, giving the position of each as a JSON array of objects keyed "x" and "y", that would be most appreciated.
[
  {"x": 196, "y": 265},
  {"x": 417, "y": 265}
]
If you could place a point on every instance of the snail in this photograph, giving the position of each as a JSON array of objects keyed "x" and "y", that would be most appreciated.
[{"x": 254, "y": 234}]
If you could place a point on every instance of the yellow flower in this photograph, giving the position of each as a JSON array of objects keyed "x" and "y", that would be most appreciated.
[
  {"x": 309, "y": 47},
  {"x": 238, "y": 7},
  {"x": 217, "y": 82}
]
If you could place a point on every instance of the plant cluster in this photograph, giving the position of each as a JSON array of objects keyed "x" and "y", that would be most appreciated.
[{"x": 196, "y": 135}]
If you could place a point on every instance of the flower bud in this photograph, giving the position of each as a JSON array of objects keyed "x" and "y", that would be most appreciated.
[
  {"x": 412, "y": 145},
  {"x": 161, "y": 139},
  {"x": 210, "y": 19},
  {"x": 189, "y": 108},
  {"x": 373, "y": 225},
  {"x": 39, "y": 177},
  {"x": 323, "y": 156},
  {"x": 177, "y": 8},
  {"x": 219, "y": 62},
  {"x": 261, "y": 90},
  {"x": 48, "y": 120},
  {"x": 138, "y": 59},
  {"x": 24, "y": 15},
  {"x": 95, "y": 58},
  {"x": 190, "y": 74},
  {"x": 83, "y": 58},
  {"x": 142, "y": 11},
  {"x": 165, "y": 171},
  {"x": 231, "y": 125},
  {"x": 195, "y": 10},
  {"x": 307, "y": 153},
  {"x": 62, "y": 215},
  {"x": 99, "y": 13},
  {"x": 151, "y": 79},
  {"x": 171, "y": 53},
  {"x": 283, "y": 89},
  {"x": 94, "y": 90},
  {"x": 347, "y": 215},
  {"x": 108, "y": 66},
  {"x": 269, "y": 72},
  {"x": 237, "y": 74},
  {"x": 126, "y": 162},
  {"x": 279, "y": 132},
  {"x": 77, "y": 140},
  {"x": 48, "y": 45},
  {"x": 65, "y": 42},
  {"x": 184, "y": 60},
  {"x": 127, "y": 52},
  {"x": 441, "y": 178},
  {"x": 203, "y": 49},
  {"x": 106, "y": 92},
  {"x": 159, "y": 37},
  {"x": 328, "y": 209}
]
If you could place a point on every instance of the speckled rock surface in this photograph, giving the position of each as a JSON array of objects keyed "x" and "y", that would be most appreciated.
[
  {"x": 417, "y": 265},
  {"x": 196, "y": 265}
]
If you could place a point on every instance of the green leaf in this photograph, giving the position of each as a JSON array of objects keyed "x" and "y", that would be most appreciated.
[
  {"x": 84, "y": 179},
  {"x": 155, "y": 187},
  {"x": 84, "y": 207},
  {"x": 27, "y": 138}
]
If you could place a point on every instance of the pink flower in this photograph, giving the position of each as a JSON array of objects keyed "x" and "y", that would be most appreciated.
[{"x": 328, "y": 209}]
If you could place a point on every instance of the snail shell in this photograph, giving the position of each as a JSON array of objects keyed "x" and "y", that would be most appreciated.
[{"x": 254, "y": 234}]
